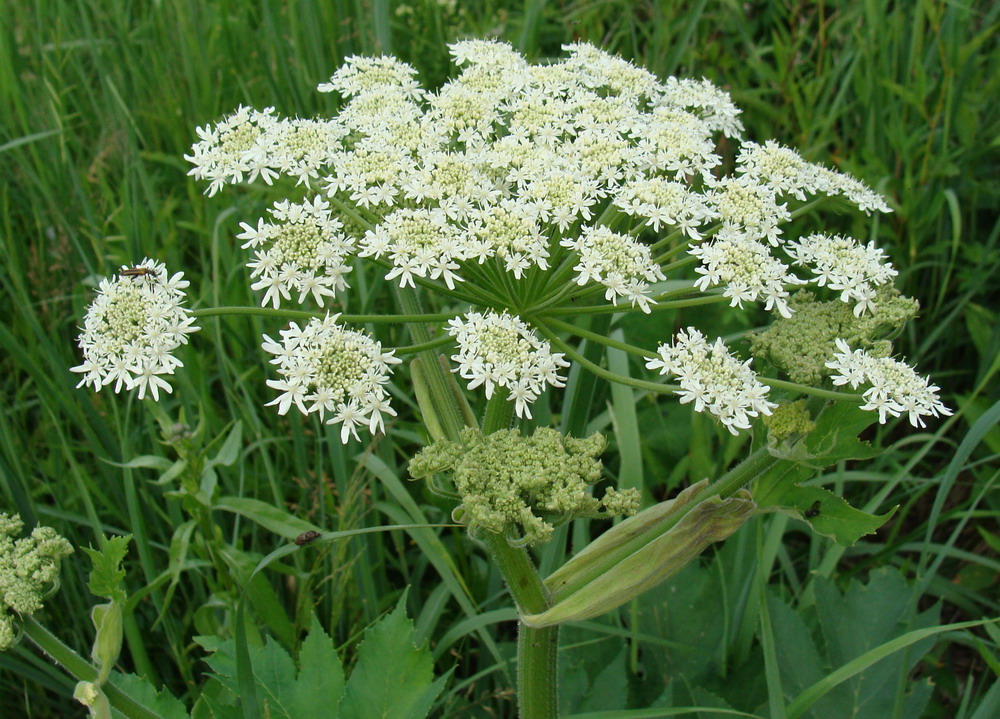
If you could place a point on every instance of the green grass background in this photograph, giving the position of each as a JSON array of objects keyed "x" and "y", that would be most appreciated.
[{"x": 98, "y": 103}]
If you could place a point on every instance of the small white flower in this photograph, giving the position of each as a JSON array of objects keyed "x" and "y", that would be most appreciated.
[
  {"x": 499, "y": 350},
  {"x": 132, "y": 328},
  {"x": 713, "y": 379},
  {"x": 328, "y": 368},
  {"x": 895, "y": 386}
]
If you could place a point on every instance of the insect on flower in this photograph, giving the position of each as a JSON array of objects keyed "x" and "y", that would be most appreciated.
[
  {"x": 139, "y": 271},
  {"x": 307, "y": 537}
]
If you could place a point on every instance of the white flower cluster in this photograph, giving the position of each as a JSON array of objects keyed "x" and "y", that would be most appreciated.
[
  {"x": 522, "y": 151},
  {"x": 843, "y": 263},
  {"x": 509, "y": 160},
  {"x": 786, "y": 171},
  {"x": 420, "y": 243},
  {"x": 132, "y": 327},
  {"x": 895, "y": 386},
  {"x": 618, "y": 262},
  {"x": 326, "y": 367},
  {"x": 361, "y": 74},
  {"x": 713, "y": 379},
  {"x": 747, "y": 268},
  {"x": 664, "y": 202},
  {"x": 499, "y": 350},
  {"x": 249, "y": 144},
  {"x": 303, "y": 250}
]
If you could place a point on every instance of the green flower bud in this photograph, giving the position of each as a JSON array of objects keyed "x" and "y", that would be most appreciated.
[
  {"x": 522, "y": 487},
  {"x": 802, "y": 344},
  {"x": 29, "y": 569},
  {"x": 789, "y": 419}
]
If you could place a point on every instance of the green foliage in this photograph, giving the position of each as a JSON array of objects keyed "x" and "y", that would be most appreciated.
[
  {"x": 162, "y": 703},
  {"x": 107, "y": 576},
  {"x": 833, "y": 438},
  {"x": 392, "y": 678}
]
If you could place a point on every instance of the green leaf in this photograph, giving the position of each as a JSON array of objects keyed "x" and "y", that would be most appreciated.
[
  {"x": 266, "y": 515},
  {"x": 392, "y": 678},
  {"x": 321, "y": 676},
  {"x": 107, "y": 577},
  {"x": 230, "y": 450},
  {"x": 834, "y": 438},
  {"x": 407, "y": 691},
  {"x": 829, "y": 514},
  {"x": 164, "y": 704},
  {"x": 836, "y": 435}
]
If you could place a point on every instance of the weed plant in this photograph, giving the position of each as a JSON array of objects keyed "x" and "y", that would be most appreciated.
[{"x": 97, "y": 105}]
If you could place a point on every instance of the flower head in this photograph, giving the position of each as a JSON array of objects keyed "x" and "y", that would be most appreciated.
[
  {"x": 502, "y": 351},
  {"x": 713, "y": 379},
  {"x": 843, "y": 263},
  {"x": 132, "y": 327},
  {"x": 419, "y": 243},
  {"x": 328, "y": 368},
  {"x": 895, "y": 387},
  {"x": 239, "y": 146},
  {"x": 519, "y": 486},
  {"x": 361, "y": 74},
  {"x": 29, "y": 568},
  {"x": 303, "y": 250},
  {"x": 747, "y": 269},
  {"x": 620, "y": 263}
]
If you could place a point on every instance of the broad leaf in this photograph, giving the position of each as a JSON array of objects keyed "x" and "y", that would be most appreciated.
[
  {"x": 829, "y": 514},
  {"x": 392, "y": 679},
  {"x": 163, "y": 703},
  {"x": 407, "y": 690},
  {"x": 321, "y": 676}
]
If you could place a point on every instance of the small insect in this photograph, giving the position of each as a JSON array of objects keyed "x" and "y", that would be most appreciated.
[
  {"x": 306, "y": 537},
  {"x": 813, "y": 511},
  {"x": 139, "y": 271}
]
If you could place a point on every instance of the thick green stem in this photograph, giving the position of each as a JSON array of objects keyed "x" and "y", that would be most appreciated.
[
  {"x": 499, "y": 411},
  {"x": 449, "y": 413},
  {"x": 536, "y": 648},
  {"x": 743, "y": 473},
  {"x": 82, "y": 670},
  {"x": 537, "y": 688}
]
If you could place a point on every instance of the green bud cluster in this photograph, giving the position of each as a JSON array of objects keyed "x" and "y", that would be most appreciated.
[
  {"x": 29, "y": 568},
  {"x": 802, "y": 344},
  {"x": 789, "y": 419},
  {"x": 520, "y": 486}
]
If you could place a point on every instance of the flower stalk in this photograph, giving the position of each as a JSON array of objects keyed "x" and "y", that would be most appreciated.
[{"x": 82, "y": 670}]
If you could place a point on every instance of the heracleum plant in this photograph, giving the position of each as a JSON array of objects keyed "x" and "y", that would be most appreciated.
[{"x": 516, "y": 213}]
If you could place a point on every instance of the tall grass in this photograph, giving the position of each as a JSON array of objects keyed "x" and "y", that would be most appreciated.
[{"x": 98, "y": 101}]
